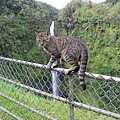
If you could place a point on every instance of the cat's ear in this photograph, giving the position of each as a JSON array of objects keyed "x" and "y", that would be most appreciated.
[
  {"x": 36, "y": 33},
  {"x": 47, "y": 32}
]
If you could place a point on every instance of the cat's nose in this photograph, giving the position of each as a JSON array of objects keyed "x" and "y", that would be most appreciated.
[{"x": 41, "y": 43}]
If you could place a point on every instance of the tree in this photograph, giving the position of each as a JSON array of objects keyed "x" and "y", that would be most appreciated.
[{"x": 70, "y": 17}]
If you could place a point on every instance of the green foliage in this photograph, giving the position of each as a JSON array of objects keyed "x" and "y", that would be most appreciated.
[
  {"x": 17, "y": 22},
  {"x": 96, "y": 25},
  {"x": 112, "y": 1},
  {"x": 58, "y": 109}
]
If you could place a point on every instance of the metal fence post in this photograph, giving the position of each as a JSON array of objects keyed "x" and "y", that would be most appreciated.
[{"x": 71, "y": 98}]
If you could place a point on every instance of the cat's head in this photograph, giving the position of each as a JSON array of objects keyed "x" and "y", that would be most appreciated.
[{"x": 42, "y": 37}]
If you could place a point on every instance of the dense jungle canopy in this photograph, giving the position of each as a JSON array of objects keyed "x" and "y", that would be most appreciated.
[{"x": 97, "y": 25}]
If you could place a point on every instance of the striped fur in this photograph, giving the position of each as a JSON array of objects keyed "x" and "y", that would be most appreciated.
[{"x": 72, "y": 50}]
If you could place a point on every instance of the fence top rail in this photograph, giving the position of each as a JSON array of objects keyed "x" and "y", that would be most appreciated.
[{"x": 90, "y": 75}]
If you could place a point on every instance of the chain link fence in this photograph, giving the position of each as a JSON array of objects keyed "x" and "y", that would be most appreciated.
[{"x": 26, "y": 93}]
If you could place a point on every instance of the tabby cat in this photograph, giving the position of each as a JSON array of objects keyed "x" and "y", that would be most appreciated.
[{"x": 72, "y": 50}]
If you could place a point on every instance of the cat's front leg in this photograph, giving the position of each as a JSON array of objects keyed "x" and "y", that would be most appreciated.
[
  {"x": 56, "y": 63},
  {"x": 49, "y": 65},
  {"x": 51, "y": 61}
]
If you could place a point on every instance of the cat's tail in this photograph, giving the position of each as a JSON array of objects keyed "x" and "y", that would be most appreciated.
[{"x": 83, "y": 64}]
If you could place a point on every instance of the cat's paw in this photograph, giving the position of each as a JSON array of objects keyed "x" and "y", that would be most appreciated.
[
  {"x": 67, "y": 72},
  {"x": 48, "y": 66},
  {"x": 54, "y": 66}
]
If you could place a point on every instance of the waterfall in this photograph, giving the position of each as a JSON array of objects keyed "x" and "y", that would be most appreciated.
[
  {"x": 52, "y": 29},
  {"x": 55, "y": 76}
]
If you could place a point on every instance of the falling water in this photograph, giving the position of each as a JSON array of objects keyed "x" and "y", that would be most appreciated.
[
  {"x": 52, "y": 29},
  {"x": 55, "y": 76}
]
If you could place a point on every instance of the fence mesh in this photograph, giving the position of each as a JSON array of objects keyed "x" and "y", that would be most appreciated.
[{"x": 28, "y": 92}]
